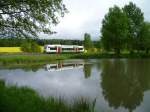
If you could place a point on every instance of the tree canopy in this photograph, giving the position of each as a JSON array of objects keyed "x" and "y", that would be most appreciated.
[
  {"x": 135, "y": 22},
  {"x": 24, "y": 18},
  {"x": 144, "y": 38},
  {"x": 125, "y": 29},
  {"x": 87, "y": 41},
  {"x": 114, "y": 29}
]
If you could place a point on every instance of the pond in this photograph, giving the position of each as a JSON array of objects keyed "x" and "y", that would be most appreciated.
[{"x": 116, "y": 85}]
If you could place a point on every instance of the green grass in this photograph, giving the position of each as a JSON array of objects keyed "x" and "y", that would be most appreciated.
[
  {"x": 109, "y": 55},
  {"x": 13, "y": 99},
  {"x": 31, "y": 58},
  {"x": 38, "y": 58}
]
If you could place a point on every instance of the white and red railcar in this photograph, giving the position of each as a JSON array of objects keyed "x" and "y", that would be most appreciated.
[{"x": 63, "y": 49}]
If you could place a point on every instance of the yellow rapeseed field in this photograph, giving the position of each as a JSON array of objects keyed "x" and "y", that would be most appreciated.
[
  {"x": 10, "y": 50},
  {"x": 13, "y": 49}
]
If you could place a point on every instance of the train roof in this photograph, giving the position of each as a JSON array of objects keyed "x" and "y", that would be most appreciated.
[{"x": 53, "y": 45}]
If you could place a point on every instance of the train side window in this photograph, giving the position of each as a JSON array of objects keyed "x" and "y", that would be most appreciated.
[
  {"x": 67, "y": 49},
  {"x": 53, "y": 48},
  {"x": 80, "y": 48}
]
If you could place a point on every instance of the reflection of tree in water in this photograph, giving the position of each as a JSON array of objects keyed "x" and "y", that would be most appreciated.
[
  {"x": 87, "y": 70},
  {"x": 34, "y": 67},
  {"x": 124, "y": 82}
]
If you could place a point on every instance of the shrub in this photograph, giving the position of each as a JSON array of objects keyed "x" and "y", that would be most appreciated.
[
  {"x": 30, "y": 47},
  {"x": 35, "y": 47}
]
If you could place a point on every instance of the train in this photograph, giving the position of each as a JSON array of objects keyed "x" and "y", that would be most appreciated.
[{"x": 63, "y": 49}]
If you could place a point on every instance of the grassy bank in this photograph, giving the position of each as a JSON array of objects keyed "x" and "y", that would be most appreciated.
[
  {"x": 109, "y": 55},
  {"x": 30, "y": 58},
  {"x": 13, "y": 99}
]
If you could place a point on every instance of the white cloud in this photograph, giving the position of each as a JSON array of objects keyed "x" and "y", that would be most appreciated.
[{"x": 86, "y": 16}]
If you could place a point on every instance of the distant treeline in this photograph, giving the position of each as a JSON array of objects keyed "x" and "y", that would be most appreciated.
[{"x": 13, "y": 42}]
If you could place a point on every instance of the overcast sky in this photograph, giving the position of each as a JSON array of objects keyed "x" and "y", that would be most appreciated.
[{"x": 86, "y": 16}]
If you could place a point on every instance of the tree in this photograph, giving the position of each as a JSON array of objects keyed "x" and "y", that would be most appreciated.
[
  {"x": 26, "y": 18},
  {"x": 35, "y": 47},
  {"x": 135, "y": 22},
  {"x": 87, "y": 41},
  {"x": 98, "y": 44},
  {"x": 114, "y": 30},
  {"x": 30, "y": 46},
  {"x": 145, "y": 37},
  {"x": 26, "y": 47}
]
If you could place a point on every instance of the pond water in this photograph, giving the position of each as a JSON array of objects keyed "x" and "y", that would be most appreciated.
[{"x": 117, "y": 85}]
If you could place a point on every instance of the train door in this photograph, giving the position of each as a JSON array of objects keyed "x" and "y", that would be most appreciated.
[
  {"x": 59, "y": 50},
  {"x": 77, "y": 50}
]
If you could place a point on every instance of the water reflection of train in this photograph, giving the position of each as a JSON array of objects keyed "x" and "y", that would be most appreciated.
[{"x": 63, "y": 66}]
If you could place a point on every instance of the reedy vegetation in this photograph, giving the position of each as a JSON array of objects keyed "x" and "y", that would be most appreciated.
[{"x": 13, "y": 99}]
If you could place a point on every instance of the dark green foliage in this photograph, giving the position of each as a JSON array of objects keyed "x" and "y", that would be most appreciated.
[
  {"x": 10, "y": 42},
  {"x": 13, "y": 99},
  {"x": 114, "y": 29},
  {"x": 28, "y": 46},
  {"x": 125, "y": 29},
  {"x": 135, "y": 22},
  {"x": 35, "y": 47},
  {"x": 88, "y": 44},
  {"x": 98, "y": 44},
  {"x": 144, "y": 39},
  {"x": 16, "y": 42},
  {"x": 59, "y": 41},
  {"x": 23, "y": 18}
]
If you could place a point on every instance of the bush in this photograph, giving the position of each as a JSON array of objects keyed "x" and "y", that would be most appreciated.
[
  {"x": 35, "y": 47},
  {"x": 26, "y": 47},
  {"x": 30, "y": 47}
]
